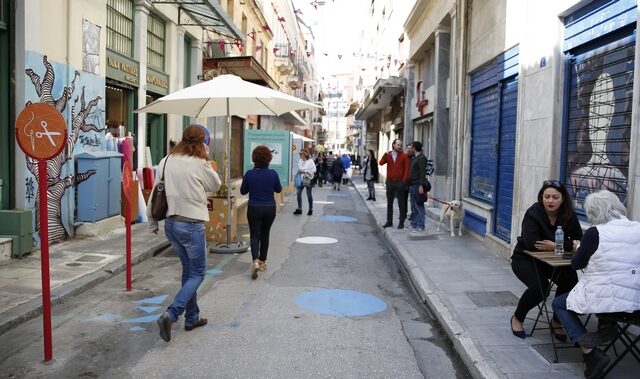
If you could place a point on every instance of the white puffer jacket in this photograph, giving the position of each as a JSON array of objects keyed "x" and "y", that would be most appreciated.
[{"x": 611, "y": 280}]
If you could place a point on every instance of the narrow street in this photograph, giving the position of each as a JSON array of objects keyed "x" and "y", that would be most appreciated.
[{"x": 320, "y": 310}]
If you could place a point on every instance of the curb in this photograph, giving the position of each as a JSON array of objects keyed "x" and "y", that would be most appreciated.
[
  {"x": 33, "y": 308},
  {"x": 469, "y": 351}
]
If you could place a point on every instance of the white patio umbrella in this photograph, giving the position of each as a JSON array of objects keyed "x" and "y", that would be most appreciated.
[{"x": 227, "y": 95}]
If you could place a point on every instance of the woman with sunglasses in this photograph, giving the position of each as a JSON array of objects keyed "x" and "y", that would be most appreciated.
[{"x": 539, "y": 225}]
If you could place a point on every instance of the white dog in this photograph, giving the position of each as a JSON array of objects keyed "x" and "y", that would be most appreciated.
[{"x": 454, "y": 211}]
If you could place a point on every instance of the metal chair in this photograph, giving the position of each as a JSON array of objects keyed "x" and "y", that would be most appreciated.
[{"x": 623, "y": 321}]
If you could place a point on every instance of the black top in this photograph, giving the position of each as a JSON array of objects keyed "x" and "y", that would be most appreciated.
[
  {"x": 418, "y": 169},
  {"x": 374, "y": 169},
  {"x": 337, "y": 168},
  {"x": 536, "y": 227},
  {"x": 588, "y": 246}
]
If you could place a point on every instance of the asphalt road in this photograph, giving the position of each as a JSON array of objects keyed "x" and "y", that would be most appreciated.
[{"x": 336, "y": 310}]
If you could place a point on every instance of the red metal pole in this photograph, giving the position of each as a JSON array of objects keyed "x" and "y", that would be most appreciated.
[
  {"x": 44, "y": 263},
  {"x": 127, "y": 220}
]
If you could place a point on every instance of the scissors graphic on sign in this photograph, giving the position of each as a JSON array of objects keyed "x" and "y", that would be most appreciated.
[{"x": 46, "y": 133}]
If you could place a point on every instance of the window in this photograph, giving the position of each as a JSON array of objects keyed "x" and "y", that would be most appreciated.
[
  {"x": 120, "y": 26},
  {"x": 155, "y": 42}
]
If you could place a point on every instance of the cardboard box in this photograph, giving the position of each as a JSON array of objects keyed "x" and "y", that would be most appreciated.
[{"x": 216, "y": 228}]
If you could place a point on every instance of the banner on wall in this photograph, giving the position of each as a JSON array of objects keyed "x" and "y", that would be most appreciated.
[{"x": 279, "y": 141}]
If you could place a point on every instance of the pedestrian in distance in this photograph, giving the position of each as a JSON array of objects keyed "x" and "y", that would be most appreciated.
[
  {"x": 187, "y": 179},
  {"x": 307, "y": 169},
  {"x": 417, "y": 186},
  {"x": 337, "y": 170},
  {"x": 370, "y": 173},
  {"x": 346, "y": 163},
  {"x": 609, "y": 253},
  {"x": 329, "y": 161},
  {"x": 539, "y": 225},
  {"x": 260, "y": 183},
  {"x": 397, "y": 163}
]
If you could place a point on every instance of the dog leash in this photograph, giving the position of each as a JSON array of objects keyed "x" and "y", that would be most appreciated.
[{"x": 441, "y": 202}]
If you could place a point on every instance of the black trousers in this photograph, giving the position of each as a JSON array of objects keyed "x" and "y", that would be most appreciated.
[
  {"x": 523, "y": 266},
  {"x": 396, "y": 188},
  {"x": 260, "y": 221}
]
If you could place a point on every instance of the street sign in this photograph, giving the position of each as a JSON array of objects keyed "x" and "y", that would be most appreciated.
[{"x": 41, "y": 131}]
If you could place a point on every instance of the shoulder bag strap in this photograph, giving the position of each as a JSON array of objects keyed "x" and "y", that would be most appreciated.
[{"x": 164, "y": 167}]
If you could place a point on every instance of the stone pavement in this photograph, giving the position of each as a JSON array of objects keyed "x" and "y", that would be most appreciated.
[
  {"x": 473, "y": 294},
  {"x": 75, "y": 266},
  {"x": 469, "y": 290}
]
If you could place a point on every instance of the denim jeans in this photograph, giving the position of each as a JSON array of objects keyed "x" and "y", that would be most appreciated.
[
  {"x": 188, "y": 240},
  {"x": 417, "y": 207},
  {"x": 371, "y": 188},
  {"x": 299, "y": 196},
  {"x": 569, "y": 319}
]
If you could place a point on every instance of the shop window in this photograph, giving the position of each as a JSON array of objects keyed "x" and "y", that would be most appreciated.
[
  {"x": 117, "y": 110},
  {"x": 120, "y": 26},
  {"x": 155, "y": 42}
]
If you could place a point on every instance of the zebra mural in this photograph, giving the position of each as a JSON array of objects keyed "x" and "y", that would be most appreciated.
[{"x": 57, "y": 181}]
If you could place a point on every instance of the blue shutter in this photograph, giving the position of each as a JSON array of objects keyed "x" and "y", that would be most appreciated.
[
  {"x": 484, "y": 142},
  {"x": 506, "y": 158}
]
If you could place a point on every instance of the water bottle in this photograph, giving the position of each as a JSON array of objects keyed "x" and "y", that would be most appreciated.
[{"x": 559, "y": 241}]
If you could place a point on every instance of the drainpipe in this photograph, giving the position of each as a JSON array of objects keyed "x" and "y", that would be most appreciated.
[
  {"x": 70, "y": 162},
  {"x": 460, "y": 98}
]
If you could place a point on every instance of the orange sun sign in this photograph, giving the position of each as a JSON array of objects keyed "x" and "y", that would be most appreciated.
[{"x": 41, "y": 131}]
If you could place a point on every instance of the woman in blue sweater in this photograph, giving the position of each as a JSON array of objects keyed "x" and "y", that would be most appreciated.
[{"x": 260, "y": 183}]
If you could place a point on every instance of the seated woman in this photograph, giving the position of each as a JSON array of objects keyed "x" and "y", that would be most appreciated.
[
  {"x": 538, "y": 233},
  {"x": 610, "y": 254}
]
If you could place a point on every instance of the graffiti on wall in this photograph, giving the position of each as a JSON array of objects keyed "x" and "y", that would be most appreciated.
[
  {"x": 599, "y": 130},
  {"x": 83, "y": 119}
]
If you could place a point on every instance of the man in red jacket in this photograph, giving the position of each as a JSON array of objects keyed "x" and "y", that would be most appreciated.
[{"x": 397, "y": 178}]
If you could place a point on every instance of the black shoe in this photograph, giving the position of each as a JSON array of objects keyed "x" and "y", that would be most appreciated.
[
  {"x": 297, "y": 212},
  {"x": 401, "y": 225},
  {"x": 310, "y": 212},
  {"x": 517, "y": 333},
  {"x": 164, "y": 323},
  {"x": 199, "y": 323},
  {"x": 387, "y": 225},
  {"x": 369, "y": 198},
  {"x": 373, "y": 199},
  {"x": 596, "y": 361}
]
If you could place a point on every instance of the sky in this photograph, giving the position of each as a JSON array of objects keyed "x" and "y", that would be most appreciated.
[{"x": 336, "y": 27}]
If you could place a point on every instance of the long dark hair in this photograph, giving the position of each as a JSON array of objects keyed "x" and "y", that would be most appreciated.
[
  {"x": 192, "y": 143},
  {"x": 372, "y": 156},
  {"x": 566, "y": 208}
]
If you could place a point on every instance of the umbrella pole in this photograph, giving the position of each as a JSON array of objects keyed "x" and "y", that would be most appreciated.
[
  {"x": 229, "y": 247},
  {"x": 227, "y": 148}
]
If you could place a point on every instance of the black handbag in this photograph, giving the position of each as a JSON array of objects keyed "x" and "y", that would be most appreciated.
[{"x": 159, "y": 206}]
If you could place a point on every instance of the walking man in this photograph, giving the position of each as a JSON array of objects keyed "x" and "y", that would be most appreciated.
[
  {"x": 417, "y": 181},
  {"x": 397, "y": 163}
]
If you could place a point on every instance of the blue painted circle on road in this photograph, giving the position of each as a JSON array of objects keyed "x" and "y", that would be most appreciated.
[
  {"x": 338, "y": 218},
  {"x": 339, "y": 302}
]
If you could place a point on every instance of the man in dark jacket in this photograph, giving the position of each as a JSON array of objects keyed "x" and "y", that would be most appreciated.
[
  {"x": 417, "y": 185},
  {"x": 397, "y": 176}
]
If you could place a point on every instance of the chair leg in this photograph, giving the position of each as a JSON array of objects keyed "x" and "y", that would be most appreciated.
[{"x": 630, "y": 347}]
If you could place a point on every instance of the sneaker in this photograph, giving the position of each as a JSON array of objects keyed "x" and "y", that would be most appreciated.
[
  {"x": 596, "y": 361},
  {"x": 297, "y": 212},
  {"x": 199, "y": 323}
]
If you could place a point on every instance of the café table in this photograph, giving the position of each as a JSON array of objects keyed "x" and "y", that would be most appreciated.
[{"x": 556, "y": 261}]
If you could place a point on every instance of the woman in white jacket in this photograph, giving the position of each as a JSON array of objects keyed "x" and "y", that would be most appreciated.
[
  {"x": 609, "y": 253},
  {"x": 307, "y": 169}
]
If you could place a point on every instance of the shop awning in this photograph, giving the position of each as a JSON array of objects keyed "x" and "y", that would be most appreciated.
[
  {"x": 353, "y": 107},
  {"x": 383, "y": 92},
  {"x": 303, "y": 138},
  {"x": 246, "y": 67},
  {"x": 294, "y": 118},
  {"x": 207, "y": 14}
]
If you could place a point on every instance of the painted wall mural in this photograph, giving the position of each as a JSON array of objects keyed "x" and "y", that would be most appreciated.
[
  {"x": 599, "y": 129},
  {"x": 45, "y": 82}
]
